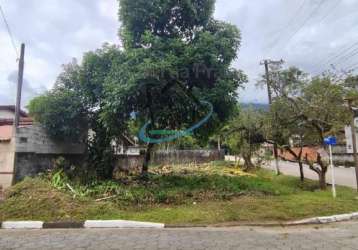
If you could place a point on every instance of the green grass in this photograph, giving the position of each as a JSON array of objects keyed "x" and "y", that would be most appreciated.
[{"x": 211, "y": 193}]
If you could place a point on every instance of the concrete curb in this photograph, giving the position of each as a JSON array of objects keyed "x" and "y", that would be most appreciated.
[
  {"x": 80, "y": 224},
  {"x": 136, "y": 224},
  {"x": 309, "y": 221},
  {"x": 120, "y": 224},
  {"x": 326, "y": 219},
  {"x": 22, "y": 225}
]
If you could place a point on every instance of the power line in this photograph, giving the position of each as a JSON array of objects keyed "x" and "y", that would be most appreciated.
[
  {"x": 335, "y": 56},
  {"x": 344, "y": 57},
  {"x": 341, "y": 53},
  {"x": 306, "y": 20},
  {"x": 289, "y": 23},
  {"x": 348, "y": 56},
  {"x": 302, "y": 24},
  {"x": 352, "y": 67},
  {"x": 330, "y": 10},
  {"x": 345, "y": 52},
  {"x": 9, "y": 32}
]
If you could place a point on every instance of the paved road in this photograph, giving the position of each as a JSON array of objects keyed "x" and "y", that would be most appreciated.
[
  {"x": 344, "y": 176},
  {"x": 336, "y": 236}
]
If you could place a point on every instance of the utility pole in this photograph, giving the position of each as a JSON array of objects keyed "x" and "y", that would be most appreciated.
[
  {"x": 267, "y": 74},
  {"x": 266, "y": 63},
  {"x": 20, "y": 78},
  {"x": 354, "y": 138}
]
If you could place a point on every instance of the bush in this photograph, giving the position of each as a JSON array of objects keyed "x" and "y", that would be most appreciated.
[{"x": 175, "y": 188}]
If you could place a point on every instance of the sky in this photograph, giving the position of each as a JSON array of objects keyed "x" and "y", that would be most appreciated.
[{"x": 310, "y": 34}]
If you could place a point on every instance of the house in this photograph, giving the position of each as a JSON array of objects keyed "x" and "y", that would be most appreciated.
[
  {"x": 7, "y": 112},
  {"x": 7, "y": 116},
  {"x": 28, "y": 150},
  {"x": 342, "y": 152},
  {"x": 348, "y": 134},
  {"x": 7, "y": 146},
  {"x": 126, "y": 146}
]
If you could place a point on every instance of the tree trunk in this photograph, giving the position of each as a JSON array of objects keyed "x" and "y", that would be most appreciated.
[
  {"x": 248, "y": 165},
  {"x": 322, "y": 180},
  {"x": 322, "y": 177},
  {"x": 298, "y": 158},
  {"x": 320, "y": 171},
  {"x": 275, "y": 152},
  {"x": 146, "y": 161},
  {"x": 302, "y": 175}
]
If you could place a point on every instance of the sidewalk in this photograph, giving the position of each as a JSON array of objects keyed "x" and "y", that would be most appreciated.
[{"x": 344, "y": 176}]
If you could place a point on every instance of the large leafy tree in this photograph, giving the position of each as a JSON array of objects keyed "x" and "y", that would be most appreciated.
[
  {"x": 304, "y": 113},
  {"x": 163, "y": 18},
  {"x": 71, "y": 110},
  {"x": 294, "y": 133},
  {"x": 176, "y": 56},
  {"x": 281, "y": 121},
  {"x": 322, "y": 110},
  {"x": 62, "y": 113}
]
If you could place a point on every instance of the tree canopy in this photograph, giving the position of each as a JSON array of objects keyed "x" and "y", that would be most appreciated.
[
  {"x": 304, "y": 111},
  {"x": 175, "y": 56}
]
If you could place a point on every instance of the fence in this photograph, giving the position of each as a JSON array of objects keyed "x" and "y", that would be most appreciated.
[{"x": 134, "y": 163}]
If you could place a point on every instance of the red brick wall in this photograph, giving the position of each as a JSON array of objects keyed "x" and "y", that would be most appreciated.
[{"x": 311, "y": 152}]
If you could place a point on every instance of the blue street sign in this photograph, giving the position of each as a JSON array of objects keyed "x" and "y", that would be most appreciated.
[{"x": 330, "y": 140}]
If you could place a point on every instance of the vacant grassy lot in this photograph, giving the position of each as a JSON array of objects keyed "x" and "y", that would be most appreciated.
[{"x": 211, "y": 193}]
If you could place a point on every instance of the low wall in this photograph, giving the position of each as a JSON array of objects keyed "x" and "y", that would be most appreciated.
[
  {"x": 129, "y": 163},
  {"x": 36, "y": 152},
  {"x": 134, "y": 163},
  {"x": 33, "y": 139},
  {"x": 32, "y": 164},
  {"x": 187, "y": 156},
  {"x": 310, "y": 152},
  {"x": 339, "y": 153}
]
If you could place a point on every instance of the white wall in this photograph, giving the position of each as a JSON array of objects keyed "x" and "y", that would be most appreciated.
[
  {"x": 349, "y": 139},
  {"x": 33, "y": 139},
  {"x": 6, "y": 114},
  {"x": 7, "y": 158}
]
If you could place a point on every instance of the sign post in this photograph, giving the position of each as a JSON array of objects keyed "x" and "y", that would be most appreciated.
[{"x": 331, "y": 141}]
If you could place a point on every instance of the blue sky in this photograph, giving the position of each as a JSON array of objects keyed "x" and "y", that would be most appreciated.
[{"x": 304, "y": 33}]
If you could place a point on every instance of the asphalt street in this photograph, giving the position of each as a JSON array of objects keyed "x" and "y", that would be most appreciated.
[
  {"x": 335, "y": 236},
  {"x": 344, "y": 176}
]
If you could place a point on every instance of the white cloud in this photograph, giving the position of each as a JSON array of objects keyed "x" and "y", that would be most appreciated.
[
  {"x": 7, "y": 64},
  {"x": 55, "y": 31},
  {"x": 108, "y": 9}
]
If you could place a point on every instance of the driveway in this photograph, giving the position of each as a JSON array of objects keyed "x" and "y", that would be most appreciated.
[
  {"x": 336, "y": 236},
  {"x": 344, "y": 176}
]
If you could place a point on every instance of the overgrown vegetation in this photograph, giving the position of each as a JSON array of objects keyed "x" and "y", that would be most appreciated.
[
  {"x": 209, "y": 193},
  {"x": 177, "y": 184}
]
